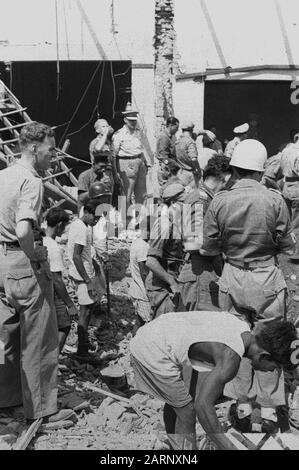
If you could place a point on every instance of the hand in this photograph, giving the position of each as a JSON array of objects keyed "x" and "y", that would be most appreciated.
[
  {"x": 91, "y": 287},
  {"x": 175, "y": 287},
  {"x": 40, "y": 254},
  {"x": 117, "y": 179}
]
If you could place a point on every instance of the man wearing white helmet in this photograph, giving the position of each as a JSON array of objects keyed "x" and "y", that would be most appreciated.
[{"x": 250, "y": 225}]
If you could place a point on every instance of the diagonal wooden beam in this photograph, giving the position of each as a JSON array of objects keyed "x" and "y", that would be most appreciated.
[{"x": 91, "y": 30}]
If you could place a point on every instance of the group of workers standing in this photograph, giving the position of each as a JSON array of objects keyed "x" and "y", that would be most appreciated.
[{"x": 210, "y": 246}]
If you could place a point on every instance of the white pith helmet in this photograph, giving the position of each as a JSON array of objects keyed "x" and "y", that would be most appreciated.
[{"x": 250, "y": 154}]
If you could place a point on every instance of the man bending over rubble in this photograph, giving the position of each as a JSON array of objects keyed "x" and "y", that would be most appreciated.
[{"x": 164, "y": 351}]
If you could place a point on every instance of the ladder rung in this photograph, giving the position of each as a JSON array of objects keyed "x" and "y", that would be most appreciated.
[
  {"x": 4, "y": 101},
  {"x": 12, "y": 112},
  {"x": 12, "y": 127},
  {"x": 5, "y": 142}
]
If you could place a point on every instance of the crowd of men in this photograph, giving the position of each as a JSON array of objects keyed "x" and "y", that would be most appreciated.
[{"x": 209, "y": 295}]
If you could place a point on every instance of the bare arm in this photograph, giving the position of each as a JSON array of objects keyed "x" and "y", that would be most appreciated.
[
  {"x": 153, "y": 265},
  {"x": 61, "y": 291},
  {"x": 24, "y": 232},
  {"x": 83, "y": 196},
  {"x": 210, "y": 391},
  {"x": 79, "y": 263},
  {"x": 100, "y": 142}
]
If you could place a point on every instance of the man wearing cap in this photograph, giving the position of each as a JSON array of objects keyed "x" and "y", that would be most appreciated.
[
  {"x": 186, "y": 156},
  {"x": 250, "y": 225},
  {"x": 99, "y": 172},
  {"x": 128, "y": 152},
  {"x": 199, "y": 275},
  {"x": 241, "y": 133},
  {"x": 165, "y": 254}
]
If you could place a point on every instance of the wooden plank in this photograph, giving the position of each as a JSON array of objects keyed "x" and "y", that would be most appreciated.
[
  {"x": 8, "y": 128},
  {"x": 12, "y": 112},
  {"x": 25, "y": 439}
]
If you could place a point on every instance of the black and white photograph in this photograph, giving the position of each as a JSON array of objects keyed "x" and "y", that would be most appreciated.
[{"x": 149, "y": 228}]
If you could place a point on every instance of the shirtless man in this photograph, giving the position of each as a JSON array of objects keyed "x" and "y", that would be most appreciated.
[{"x": 164, "y": 351}]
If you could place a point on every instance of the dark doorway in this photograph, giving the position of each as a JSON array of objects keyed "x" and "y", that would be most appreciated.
[
  {"x": 90, "y": 86},
  {"x": 229, "y": 104}
]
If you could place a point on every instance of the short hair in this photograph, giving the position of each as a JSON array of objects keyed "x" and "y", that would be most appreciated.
[
  {"x": 216, "y": 166},
  {"x": 35, "y": 132},
  {"x": 293, "y": 132},
  {"x": 56, "y": 216},
  {"x": 276, "y": 338},
  {"x": 101, "y": 158},
  {"x": 172, "y": 121},
  {"x": 91, "y": 205}
]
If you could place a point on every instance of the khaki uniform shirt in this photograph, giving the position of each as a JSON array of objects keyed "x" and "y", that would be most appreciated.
[
  {"x": 166, "y": 245},
  {"x": 21, "y": 196},
  {"x": 248, "y": 223},
  {"x": 126, "y": 144},
  {"x": 165, "y": 149},
  {"x": 186, "y": 151}
]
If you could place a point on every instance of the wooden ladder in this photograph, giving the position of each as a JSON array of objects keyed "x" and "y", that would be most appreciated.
[{"x": 13, "y": 117}]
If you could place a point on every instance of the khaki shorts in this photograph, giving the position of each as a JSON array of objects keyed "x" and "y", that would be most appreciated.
[{"x": 84, "y": 297}]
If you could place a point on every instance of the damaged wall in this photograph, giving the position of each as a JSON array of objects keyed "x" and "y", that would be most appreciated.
[{"x": 164, "y": 56}]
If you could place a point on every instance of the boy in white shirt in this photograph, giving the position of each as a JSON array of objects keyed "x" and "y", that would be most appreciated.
[
  {"x": 57, "y": 219},
  {"x": 82, "y": 272}
]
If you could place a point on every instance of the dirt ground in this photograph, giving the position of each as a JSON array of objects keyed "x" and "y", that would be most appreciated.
[{"x": 104, "y": 423}]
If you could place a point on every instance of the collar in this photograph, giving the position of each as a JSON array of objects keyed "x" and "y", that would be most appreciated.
[
  {"x": 246, "y": 183},
  {"x": 207, "y": 190},
  {"x": 126, "y": 130},
  {"x": 29, "y": 168}
]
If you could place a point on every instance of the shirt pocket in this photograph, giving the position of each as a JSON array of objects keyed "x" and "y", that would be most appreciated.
[{"x": 20, "y": 284}]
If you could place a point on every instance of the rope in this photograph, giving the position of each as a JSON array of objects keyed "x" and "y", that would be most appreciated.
[
  {"x": 66, "y": 31},
  {"x": 80, "y": 102},
  {"x": 114, "y": 90},
  {"x": 95, "y": 108},
  {"x": 57, "y": 53}
]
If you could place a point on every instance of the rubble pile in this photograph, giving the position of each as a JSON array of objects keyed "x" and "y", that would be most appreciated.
[{"x": 129, "y": 419}]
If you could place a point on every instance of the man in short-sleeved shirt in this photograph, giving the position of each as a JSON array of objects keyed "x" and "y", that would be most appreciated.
[
  {"x": 28, "y": 324},
  {"x": 82, "y": 272}
]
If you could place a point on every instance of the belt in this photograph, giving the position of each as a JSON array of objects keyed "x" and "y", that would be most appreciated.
[
  {"x": 13, "y": 246},
  {"x": 291, "y": 178},
  {"x": 250, "y": 266}
]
